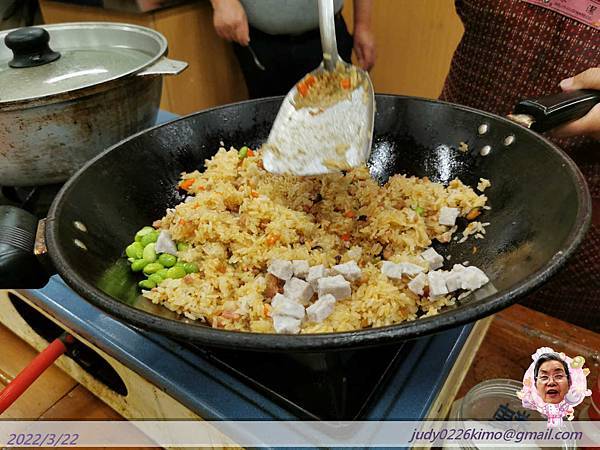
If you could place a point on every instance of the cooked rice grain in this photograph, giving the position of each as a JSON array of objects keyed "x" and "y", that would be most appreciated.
[{"x": 241, "y": 217}]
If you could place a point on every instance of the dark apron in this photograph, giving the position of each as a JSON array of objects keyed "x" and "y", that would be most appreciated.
[{"x": 511, "y": 50}]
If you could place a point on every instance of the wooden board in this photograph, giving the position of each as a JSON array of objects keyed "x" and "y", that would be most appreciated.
[
  {"x": 443, "y": 402},
  {"x": 80, "y": 404},
  {"x": 415, "y": 42},
  {"x": 53, "y": 385},
  {"x": 213, "y": 77},
  {"x": 516, "y": 333}
]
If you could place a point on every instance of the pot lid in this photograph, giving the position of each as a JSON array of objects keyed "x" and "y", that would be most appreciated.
[{"x": 40, "y": 62}]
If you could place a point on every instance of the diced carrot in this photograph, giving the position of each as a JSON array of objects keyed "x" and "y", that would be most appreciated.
[
  {"x": 186, "y": 184},
  {"x": 303, "y": 89},
  {"x": 473, "y": 214},
  {"x": 250, "y": 152},
  {"x": 254, "y": 194},
  {"x": 181, "y": 221},
  {"x": 345, "y": 237},
  {"x": 345, "y": 83},
  {"x": 201, "y": 188},
  {"x": 310, "y": 80},
  {"x": 350, "y": 214},
  {"x": 272, "y": 239},
  {"x": 266, "y": 310}
]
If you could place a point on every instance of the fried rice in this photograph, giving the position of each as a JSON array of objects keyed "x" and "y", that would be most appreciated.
[{"x": 238, "y": 218}]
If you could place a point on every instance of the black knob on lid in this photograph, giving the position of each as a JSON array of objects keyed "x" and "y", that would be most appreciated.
[{"x": 30, "y": 47}]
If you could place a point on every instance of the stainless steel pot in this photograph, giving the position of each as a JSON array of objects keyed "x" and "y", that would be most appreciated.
[{"x": 69, "y": 91}]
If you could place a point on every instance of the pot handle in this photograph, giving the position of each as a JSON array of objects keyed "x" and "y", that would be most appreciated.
[
  {"x": 548, "y": 112},
  {"x": 20, "y": 266},
  {"x": 164, "y": 66}
]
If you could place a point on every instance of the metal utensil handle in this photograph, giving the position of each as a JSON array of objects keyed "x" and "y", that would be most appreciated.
[
  {"x": 255, "y": 58},
  {"x": 164, "y": 66},
  {"x": 327, "y": 27}
]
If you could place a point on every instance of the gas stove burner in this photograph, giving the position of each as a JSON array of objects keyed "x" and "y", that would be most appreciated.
[{"x": 315, "y": 386}]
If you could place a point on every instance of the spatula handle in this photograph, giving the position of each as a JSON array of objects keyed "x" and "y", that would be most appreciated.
[{"x": 327, "y": 27}]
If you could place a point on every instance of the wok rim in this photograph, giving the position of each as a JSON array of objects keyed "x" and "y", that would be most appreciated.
[{"x": 219, "y": 338}]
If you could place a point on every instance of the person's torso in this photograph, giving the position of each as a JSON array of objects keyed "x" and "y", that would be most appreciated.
[
  {"x": 284, "y": 16},
  {"x": 511, "y": 50}
]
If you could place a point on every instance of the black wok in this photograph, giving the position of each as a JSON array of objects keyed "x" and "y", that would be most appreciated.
[{"x": 540, "y": 209}]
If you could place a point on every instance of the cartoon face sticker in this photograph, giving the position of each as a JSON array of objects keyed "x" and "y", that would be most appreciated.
[
  {"x": 554, "y": 384},
  {"x": 552, "y": 378}
]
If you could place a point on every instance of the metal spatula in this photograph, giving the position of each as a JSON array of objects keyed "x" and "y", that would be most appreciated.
[{"x": 314, "y": 141}]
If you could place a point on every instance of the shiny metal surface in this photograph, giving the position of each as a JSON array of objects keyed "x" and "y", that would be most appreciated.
[
  {"x": 106, "y": 86},
  {"x": 255, "y": 58},
  {"x": 92, "y": 53},
  {"x": 315, "y": 140},
  {"x": 47, "y": 144},
  {"x": 327, "y": 29}
]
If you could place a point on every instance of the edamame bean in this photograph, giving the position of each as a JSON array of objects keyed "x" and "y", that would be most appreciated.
[
  {"x": 130, "y": 260},
  {"x": 243, "y": 152},
  {"x": 144, "y": 231},
  {"x": 149, "y": 253},
  {"x": 152, "y": 268},
  {"x": 149, "y": 238},
  {"x": 146, "y": 284},
  {"x": 167, "y": 260},
  {"x": 190, "y": 267},
  {"x": 162, "y": 273},
  {"x": 138, "y": 265},
  {"x": 176, "y": 272},
  {"x": 156, "y": 278},
  {"x": 181, "y": 247},
  {"x": 134, "y": 250}
]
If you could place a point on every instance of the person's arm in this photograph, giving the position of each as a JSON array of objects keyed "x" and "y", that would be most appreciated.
[
  {"x": 590, "y": 123},
  {"x": 230, "y": 21},
  {"x": 364, "y": 41}
]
